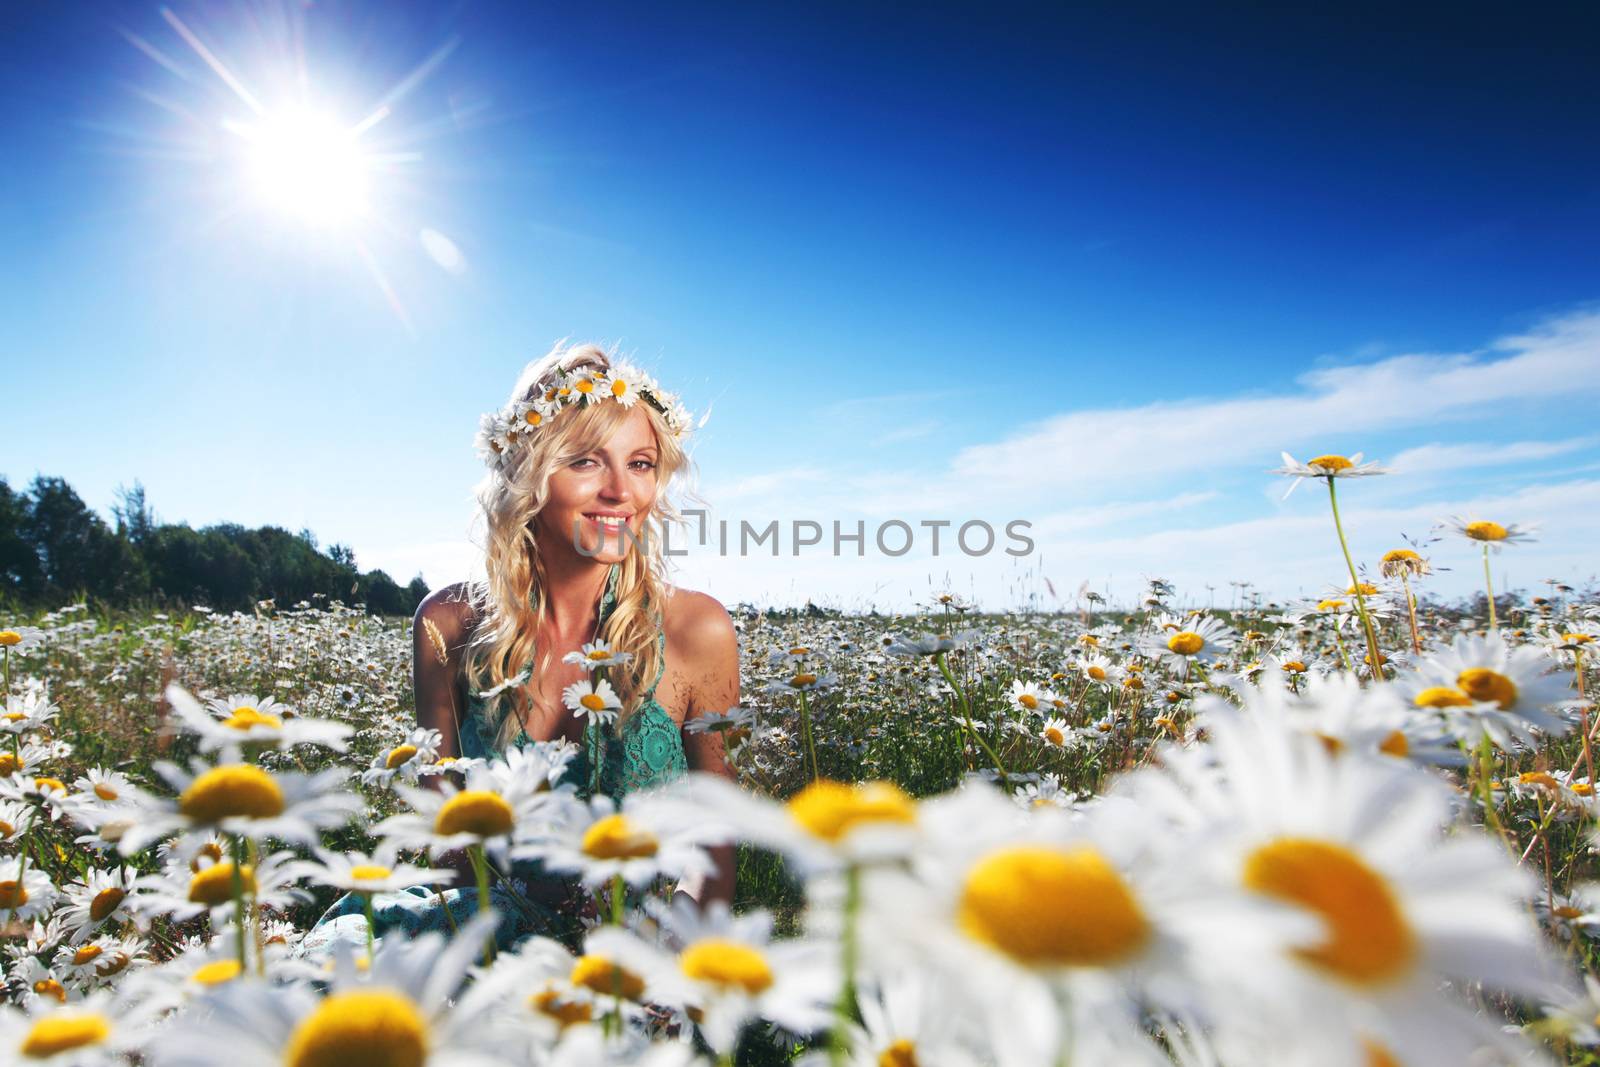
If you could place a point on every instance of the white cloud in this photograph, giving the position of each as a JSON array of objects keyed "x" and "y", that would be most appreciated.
[
  {"x": 1472, "y": 456},
  {"x": 1160, "y": 440}
]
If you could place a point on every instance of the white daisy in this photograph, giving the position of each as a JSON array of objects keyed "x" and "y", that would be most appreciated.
[
  {"x": 227, "y": 725},
  {"x": 596, "y": 654},
  {"x": 637, "y": 841},
  {"x": 594, "y": 700},
  {"x": 1328, "y": 466}
]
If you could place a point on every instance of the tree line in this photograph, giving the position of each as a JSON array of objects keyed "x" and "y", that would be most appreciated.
[{"x": 55, "y": 549}]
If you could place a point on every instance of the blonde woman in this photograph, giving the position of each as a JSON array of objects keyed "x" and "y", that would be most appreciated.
[{"x": 574, "y": 504}]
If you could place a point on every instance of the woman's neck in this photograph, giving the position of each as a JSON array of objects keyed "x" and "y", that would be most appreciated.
[{"x": 572, "y": 594}]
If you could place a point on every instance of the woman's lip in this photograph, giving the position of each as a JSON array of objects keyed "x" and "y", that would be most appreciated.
[{"x": 606, "y": 515}]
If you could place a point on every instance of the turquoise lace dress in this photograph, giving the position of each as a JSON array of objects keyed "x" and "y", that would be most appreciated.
[{"x": 646, "y": 751}]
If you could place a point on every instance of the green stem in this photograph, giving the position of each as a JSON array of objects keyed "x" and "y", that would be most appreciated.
[
  {"x": 22, "y": 848},
  {"x": 1491, "y": 817},
  {"x": 805, "y": 727},
  {"x": 1376, "y": 658},
  {"x": 366, "y": 905},
  {"x": 839, "y": 1047},
  {"x": 617, "y": 898},
  {"x": 480, "y": 869},
  {"x": 966, "y": 715},
  {"x": 239, "y": 923},
  {"x": 1488, "y": 584},
  {"x": 1411, "y": 610}
]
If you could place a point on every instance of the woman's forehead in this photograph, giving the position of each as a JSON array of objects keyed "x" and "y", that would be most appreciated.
[{"x": 632, "y": 433}]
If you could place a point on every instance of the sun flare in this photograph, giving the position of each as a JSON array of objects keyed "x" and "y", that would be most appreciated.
[{"x": 305, "y": 164}]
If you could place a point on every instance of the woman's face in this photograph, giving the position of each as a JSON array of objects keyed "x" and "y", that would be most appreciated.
[{"x": 593, "y": 496}]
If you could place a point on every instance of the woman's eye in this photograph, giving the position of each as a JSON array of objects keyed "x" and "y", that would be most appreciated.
[
  {"x": 581, "y": 464},
  {"x": 644, "y": 465}
]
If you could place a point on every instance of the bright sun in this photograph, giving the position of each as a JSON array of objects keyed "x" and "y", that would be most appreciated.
[{"x": 305, "y": 164}]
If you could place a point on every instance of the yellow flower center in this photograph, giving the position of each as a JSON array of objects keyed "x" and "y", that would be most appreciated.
[
  {"x": 63, "y": 1033},
  {"x": 216, "y": 972},
  {"x": 1028, "y": 700},
  {"x": 1583, "y": 789},
  {"x": 1368, "y": 940},
  {"x": 1486, "y": 531},
  {"x": 600, "y": 653},
  {"x": 600, "y": 974},
  {"x": 615, "y": 838},
  {"x": 360, "y": 1028},
  {"x": 475, "y": 811},
  {"x": 105, "y": 792},
  {"x": 1576, "y": 639},
  {"x": 592, "y": 701},
  {"x": 1441, "y": 696},
  {"x": 1133, "y": 682},
  {"x": 1481, "y": 683},
  {"x": 1378, "y": 1056},
  {"x": 237, "y": 790},
  {"x": 584, "y": 386},
  {"x": 49, "y": 987},
  {"x": 208, "y": 851},
  {"x": 12, "y": 894},
  {"x": 533, "y": 418},
  {"x": 566, "y": 1012},
  {"x": 9, "y": 764},
  {"x": 86, "y": 953},
  {"x": 1097, "y": 673},
  {"x": 1398, "y": 555},
  {"x": 1089, "y": 639},
  {"x": 802, "y": 679},
  {"x": 1186, "y": 642},
  {"x": 9, "y": 638},
  {"x": 45, "y": 782},
  {"x": 618, "y": 387},
  {"x": 15, "y": 716},
  {"x": 369, "y": 872},
  {"x": 1364, "y": 588},
  {"x": 1396, "y": 744},
  {"x": 105, "y": 902},
  {"x": 243, "y": 718},
  {"x": 1331, "y": 463},
  {"x": 214, "y": 885},
  {"x": 831, "y": 810},
  {"x": 1566, "y": 911},
  {"x": 398, "y": 755},
  {"x": 1330, "y": 605},
  {"x": 1054, "y": 735},
  {"x": 1047, "y": 907},
  {"x": 728, "y": 965},
  {"x": 902, "y": 1053},
  {"x": 1294, "y": 666}
]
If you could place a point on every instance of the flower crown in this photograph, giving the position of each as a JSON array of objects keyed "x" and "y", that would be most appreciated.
[{"x": 500, "y": 431}]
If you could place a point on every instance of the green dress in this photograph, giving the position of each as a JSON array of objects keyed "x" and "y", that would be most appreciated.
[{"x": 647, "y": 751}]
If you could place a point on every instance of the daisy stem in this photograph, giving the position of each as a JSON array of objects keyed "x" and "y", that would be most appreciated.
[
  {"x": 1355, "y": 583},
  {"x": 839, "y": 1046},
  {"x": 805, "y": 727},
  {"x": 22, "y": 852},
  {"x": 366, "y": 906},
  {"x": 1411, "y": 609},
  {"x": 255, "y": 919},
  {"x": 1488, "y": 584},
  {"x": 966, "y": 715},
  {"x": 1344, "y": 653},
  {"x": 237, "y": 849},
  {"x": 1491, "y": 817},
  {"x": 480, "y": 869},
  {"x": 617, "y": 899}
]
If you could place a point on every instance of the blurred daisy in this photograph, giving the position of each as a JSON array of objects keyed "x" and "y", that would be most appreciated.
[
  {"x": 493, "y": 806},
  {"x": 728, "y": 970},
  {"x": 1483, "y": 686},
  {"x": 25, "y": 893},
  {"x": 926, "y": 644},
  {"x": 405, "y": 760},
  {"x": 1178, "y": 642},
  {"x": 396, "y": 1010},
  {"x": 355, "y": 872},
  {"x": 1490, "y": 534},
  {"x": 185, "y": 890},
  {"x": 597, "y": 654},
  {"x": 88, "y": 1033},
  {"x": 637, "y": 841},
  {"x": 26, "y": 712},
  {"x": 243, "y": 800},
  {"x": 226, "y": 725},
  {"x": 1402, "y": 910}
]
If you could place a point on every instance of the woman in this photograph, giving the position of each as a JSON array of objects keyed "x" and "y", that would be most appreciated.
[{"x": 574, "y": 504}]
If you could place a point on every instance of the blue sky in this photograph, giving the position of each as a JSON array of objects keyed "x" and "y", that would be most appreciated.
[{"x": 1093, "y": 269}]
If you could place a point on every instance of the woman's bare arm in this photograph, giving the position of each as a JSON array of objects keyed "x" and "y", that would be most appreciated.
[
  {"x": 712, "y": 657},
  {"x": 440, "y": 630}
]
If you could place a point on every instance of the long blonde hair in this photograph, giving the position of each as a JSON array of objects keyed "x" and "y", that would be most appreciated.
[{"x": 512, "y": 600}]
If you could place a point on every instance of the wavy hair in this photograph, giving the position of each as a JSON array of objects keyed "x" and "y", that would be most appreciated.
[{"x": 511, "y": 601}]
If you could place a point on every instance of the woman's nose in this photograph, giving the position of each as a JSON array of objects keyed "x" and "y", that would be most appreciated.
[{"x": 615, "y": 484}]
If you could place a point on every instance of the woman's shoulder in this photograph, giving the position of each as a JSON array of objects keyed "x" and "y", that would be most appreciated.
[
  {"x": 697, "y": 622},
  {"x": 446, "y": 616}
]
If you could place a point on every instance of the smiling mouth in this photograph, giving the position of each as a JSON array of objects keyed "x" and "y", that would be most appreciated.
[{"x": 607, "y": 520}]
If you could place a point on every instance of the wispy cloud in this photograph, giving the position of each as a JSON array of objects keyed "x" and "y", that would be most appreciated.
[{"x": 1427, "y": 459}]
